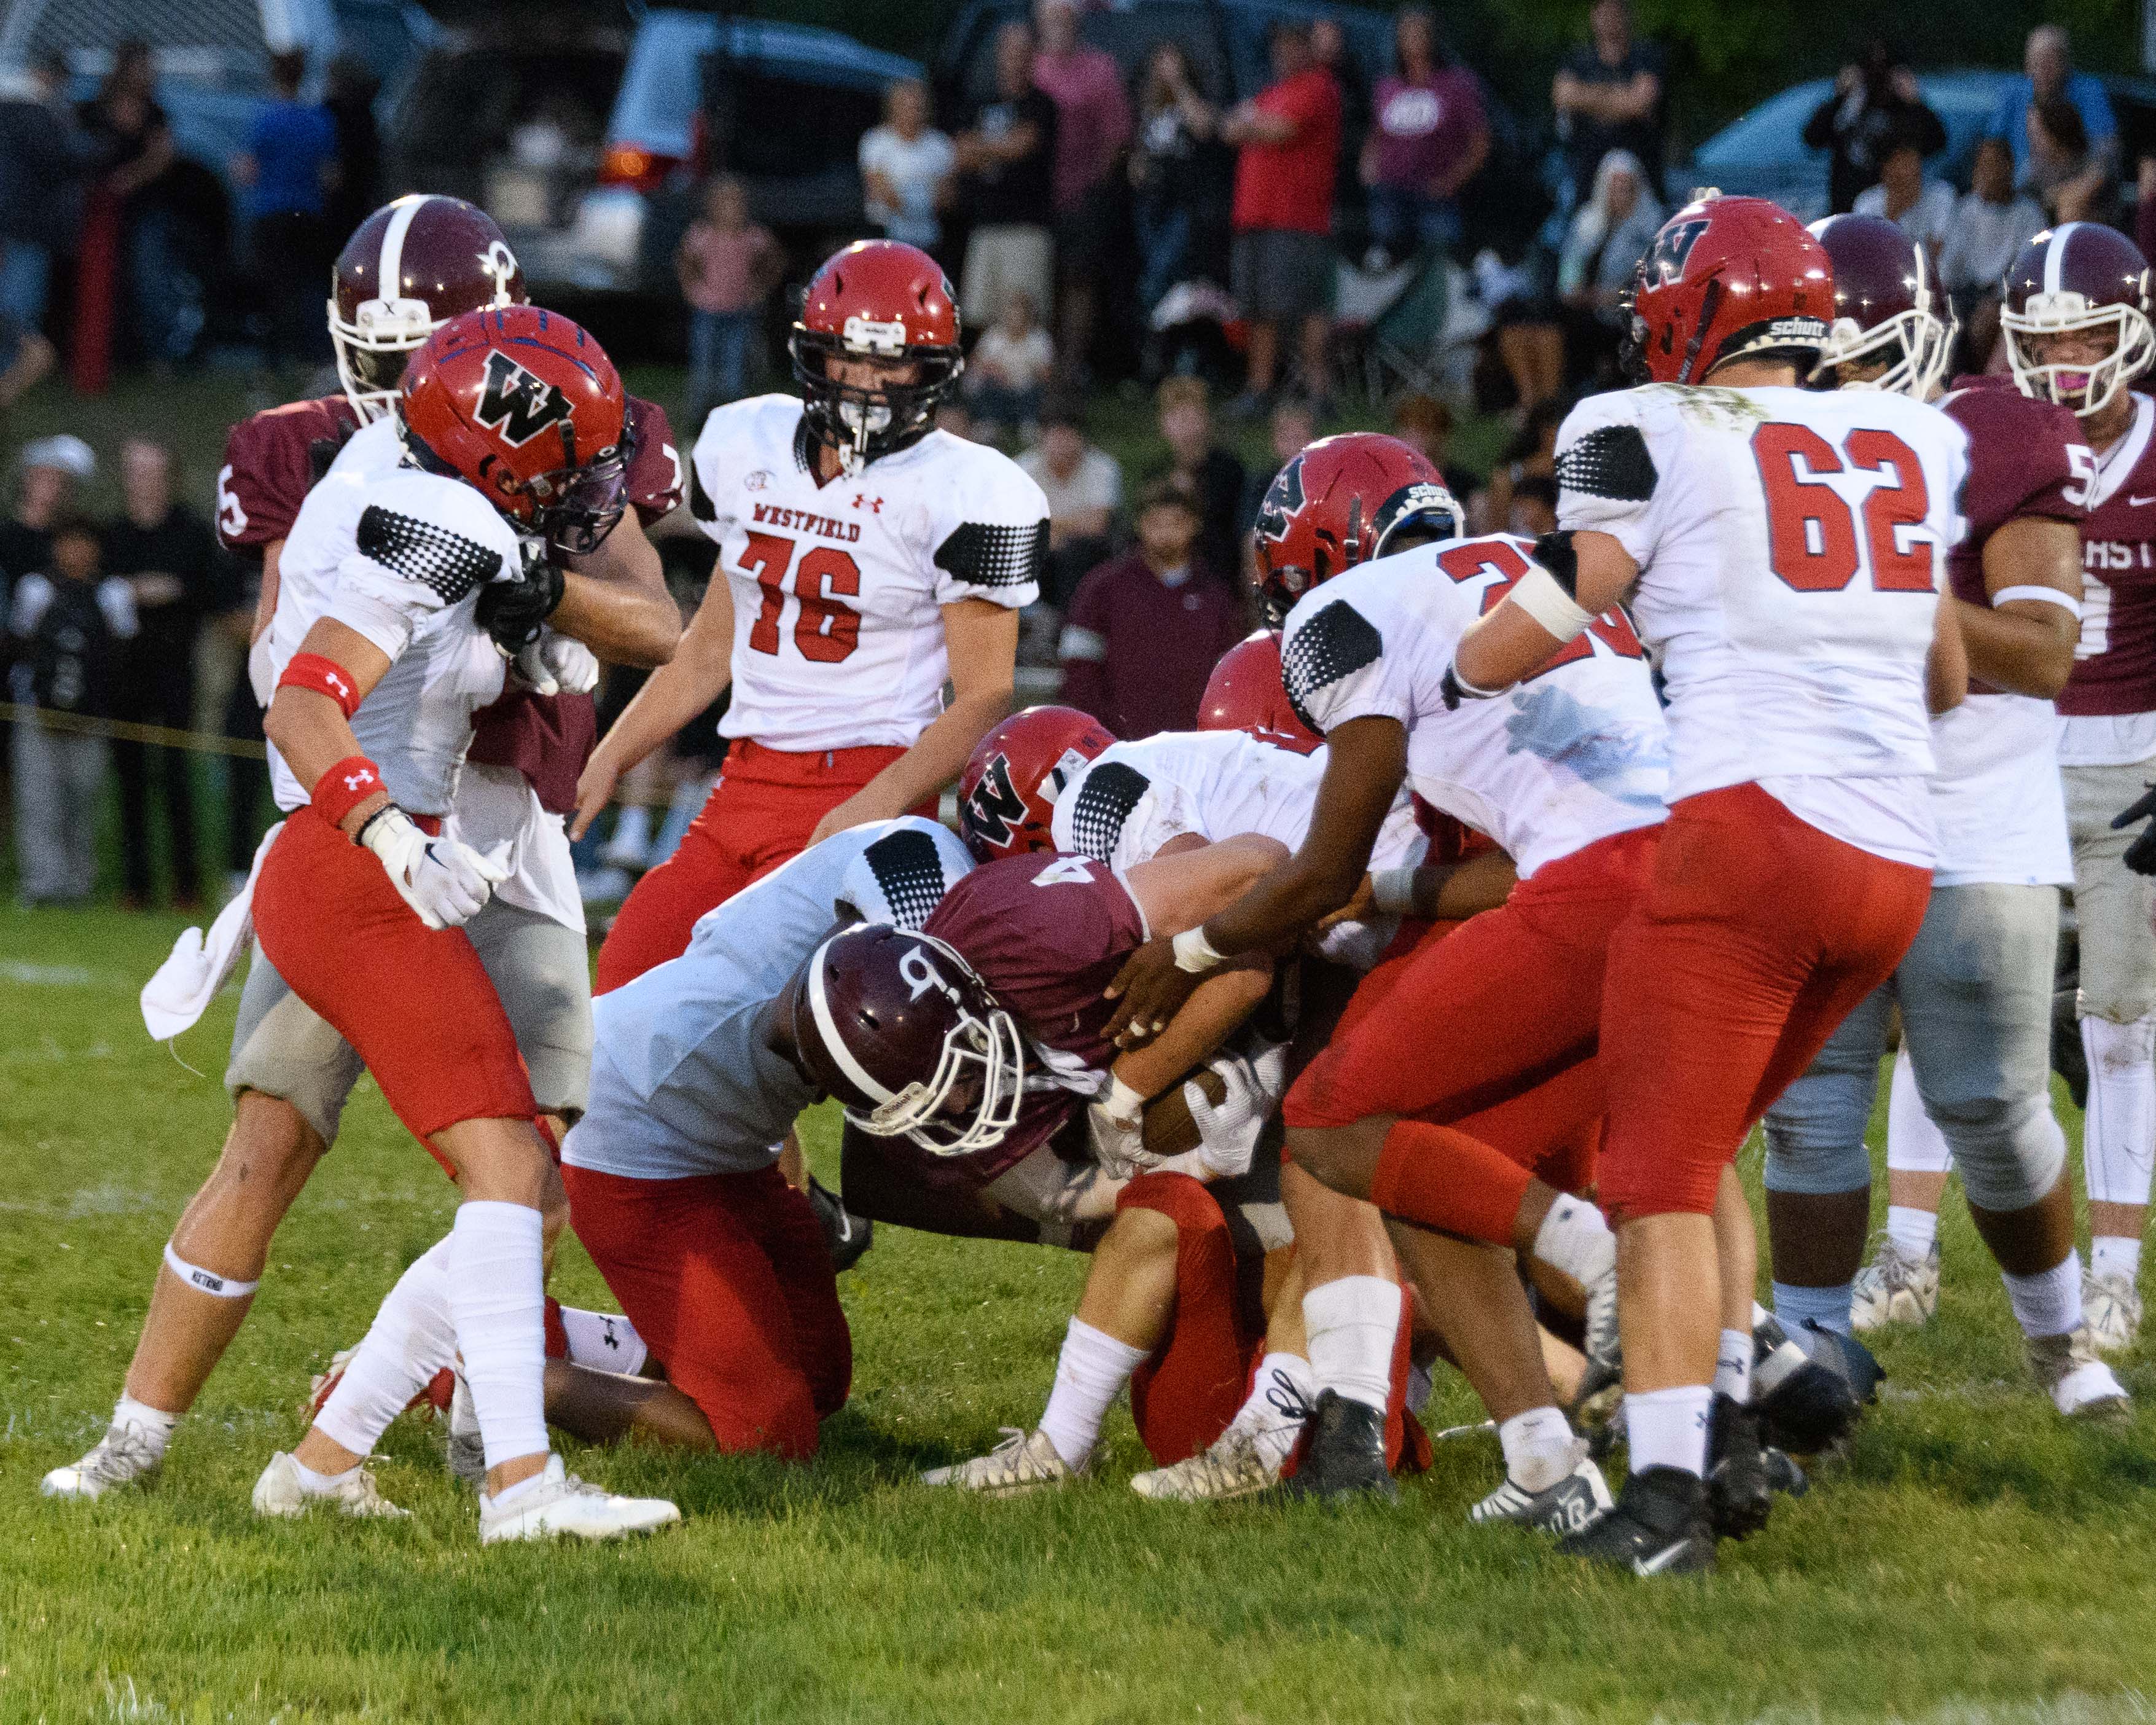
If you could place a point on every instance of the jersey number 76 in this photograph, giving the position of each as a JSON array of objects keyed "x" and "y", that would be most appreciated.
[
  {"x": 825, "y": 630},
  {"x": 1811, "y": 532}
]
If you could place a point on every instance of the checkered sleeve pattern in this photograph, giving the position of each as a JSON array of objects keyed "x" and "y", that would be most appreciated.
[
  {"x": 1111, "y": 791},
  {"x": 981, "y": 555},
  {"x": 908, "y": 872},
  {"x": 446, "y": 563},
  {"x": 1333, "y": 645}
]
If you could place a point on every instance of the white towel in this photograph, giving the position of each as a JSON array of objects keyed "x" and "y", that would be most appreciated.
[{"x": 186, "y": 983}]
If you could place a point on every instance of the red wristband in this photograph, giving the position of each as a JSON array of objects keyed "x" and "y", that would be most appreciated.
[
  {"x": 345, "y": 787},
  {"x": 324, "y": 676}
]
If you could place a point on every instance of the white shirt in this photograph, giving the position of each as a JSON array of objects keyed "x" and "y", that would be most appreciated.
[
  {"x": 1095, "y": 483},
  {"x": 1023, "y": 361},
  {"x": 837, "y": 588},
  {"x": 914, "y": 170},
  {"x": 1786, "y": 661},
  {"x": 1573, "y": 754},
  {"x": 1929, "y": 221}
]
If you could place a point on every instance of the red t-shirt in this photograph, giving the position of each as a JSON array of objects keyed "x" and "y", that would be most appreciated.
[{"x": 1289, "y": 184}]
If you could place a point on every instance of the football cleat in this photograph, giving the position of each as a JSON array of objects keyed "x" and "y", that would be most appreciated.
[
  {"x": 1233, "y": 1467},
  {"x": 466, "y": 1457},
  {"x": 279, "y": 1492},
  {"x": 123, "y": 1456},
  {"x": 1659, "y": 1526},
  {"x": 848, "y": 1236},
  {"x": 1023, "y": 1461},
  {"x": 561, "y": 1506},
  {"x": 2069, "y": 1369},
  {"x": 1740, "y": 1497},
  {"x": 2112, "y": 1305},
  {"x": 1605, "y": 1360},
  {"x": 430, "y": 1404},
  {"x": 1569, "y": 1506},
  {"x": 1807, "y": 1402},
  {"x": 1784, "y": 1474},
  {"x": 1344, "y": 1455},
  {"x": 1895, "y": 1288}
]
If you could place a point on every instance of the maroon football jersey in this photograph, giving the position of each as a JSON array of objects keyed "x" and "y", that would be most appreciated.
[
  {"x": 271, "y": 461},
  {"x": 1047, "y": 933},
  {"x": 2025, "y": 458},
  {"x": 2115, "y": 665}
]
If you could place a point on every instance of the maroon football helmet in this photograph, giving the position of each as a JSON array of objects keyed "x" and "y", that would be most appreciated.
[
  {"x": 1343, "y": 501},
  {"x": 406, "y": 271},
  {"x": 2079, "y": 276},
  {"x": 1244, "y": 693},
  {"x": 1006, "y": 795},
  {"x": 899, "y": 1028},
  {"x": 1728, "y": 279},
  {"x": 879, "y": 301},
  {"x": 1886, "y": 310}
]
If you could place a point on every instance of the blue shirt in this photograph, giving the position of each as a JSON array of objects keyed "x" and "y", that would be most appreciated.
[
  {"x": 291, "y": 144},
  {"x": 2009, "y": 119}
]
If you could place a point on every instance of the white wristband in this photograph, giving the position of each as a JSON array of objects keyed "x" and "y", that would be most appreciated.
[
  {"x": 1193, "y": 952},
  {"x": 1391, "y": 890},
  {"x": 1537, "y": 593},
  {"x": 2046, "y": 595},
  {"x": 1122, "y": 1105}
]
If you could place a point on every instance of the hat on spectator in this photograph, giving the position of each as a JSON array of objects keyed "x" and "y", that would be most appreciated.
[{"x": 65, "y": 451}]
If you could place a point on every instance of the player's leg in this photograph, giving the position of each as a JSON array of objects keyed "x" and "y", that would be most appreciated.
[
  {"x": 1900, "y": 1283},
  {"x": 655, "y": 920}
]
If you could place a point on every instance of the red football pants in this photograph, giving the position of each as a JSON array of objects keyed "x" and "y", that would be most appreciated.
[
  {"x": 1759, "y": 934},
  {"x": 414, "y": 1001},
  {"x": 728, "y": 1280},
  {"x": 760, "y": 813}
]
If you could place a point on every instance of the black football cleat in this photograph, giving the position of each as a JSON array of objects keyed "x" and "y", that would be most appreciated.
[
  {"x": 1740, "y": 1496},
  {"x": 1659, "y": 1527},
  {"x": 1806, "y": 1402},
  {"x": 1784, "y": 1474},
  {"x": 1343, "y": 1454},
  {"x": 849, "y": 1236}
]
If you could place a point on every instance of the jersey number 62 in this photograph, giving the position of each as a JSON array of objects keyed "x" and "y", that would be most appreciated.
[{"x": 1811, "y": 529}]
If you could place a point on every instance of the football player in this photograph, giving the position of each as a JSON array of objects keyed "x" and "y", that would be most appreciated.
[
  {"x": 1975, "y": 987},
  {"x": 868, "y": 558}
]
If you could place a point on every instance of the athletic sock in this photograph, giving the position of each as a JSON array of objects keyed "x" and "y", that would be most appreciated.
[
  {"x": 2050, "y": 1302},
  {"x": 1278, "y": 1404},
  {"x": 1089, "y": 1374},
  {"x": 1915, "y": 1145},
  {"x": 1913, "y": 1231},
  {"x": 2119, "y": 1137},
  {"x": 498, "y": 1300},
  {"x": 1795, "y": 1306},
  {"x": 152, "y": 1426},
  {"x": 1353, "y": 1325},
  {"x": 603, "y": 1341},
  {"x": 413, "y": 1336},
  {"x": 1445, "y": 1178},
  {"x": 1540, "y": 1449},
  {"x": 1575, "y": 1240},
  {"x": 1667, "y": 1428},
  {"x": 315, "y": 1485},
  {"x": 2115, "y": 1255},
  {"x": 1733, "y": 1366}
]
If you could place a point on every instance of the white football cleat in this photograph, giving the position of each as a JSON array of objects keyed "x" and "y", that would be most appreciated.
[
  {"x": 2069, "y": 1370},
  {"x": 1023, "y": 1461},
  {"x": 561, "y": 1506},
  {"x": 2111, "y": 1304},
  {"x": 279, "y": 1492},
  {"x": 467, "y": 1451},
  {"x": 123, "y": 1456},
  {"x": 1566, "y": 1507},
  {"x": 1233, "y": 1467},
  {"x": 1894, "y": 1288}
]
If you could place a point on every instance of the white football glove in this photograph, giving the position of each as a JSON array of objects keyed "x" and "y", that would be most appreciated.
[
  {"x": 1228, "y": 1133},
  {"x": 444, "y": 880},
  {"x": 555, "y": 663}
]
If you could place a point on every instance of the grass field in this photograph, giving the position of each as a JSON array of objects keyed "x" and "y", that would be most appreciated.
[{"x": 1971, "y": 1559}]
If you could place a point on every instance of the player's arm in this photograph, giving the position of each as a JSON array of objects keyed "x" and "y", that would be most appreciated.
[
  {"x": 615, "y": 600},
  {"x": 982, "y": 638},
  {"x": 1432, "y": 892},
  {"x": 310, "y": 727},
  {"x": 265, "y": 601},
  {"x": 1946, "y": 665},
  {"x": 2023, "y": 641},
  {"x": 1577, "y": 576}
]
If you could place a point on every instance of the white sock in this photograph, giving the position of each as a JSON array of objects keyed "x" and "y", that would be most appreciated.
[
  {"x": 153, "y": 1425},
  {"x": 1274, "y": 1412},
  {"x": 498, "y": 1300},
  {"x": 1915, "y": 1145},
  {"x": 1914, "y": 1231},
  {"x": 603, "y": 1341},
  {"x": 1575, "y": 1240},
  {"x": 413, "y": 1336},
  {"x": 1089, "y": 1374},
  {"x": 1353, "y": 1325},
  {"x": 1733, "y": 1366},
  {"x": 1667, "y": 1428},
  {"x": 2115, "y": 1255},
  {"x": 1795, "y": 1306},
  {"x": 315, "y": 1485},
  {"x": 2118, "y": 1136},
  {"x": 2048, "y": 1303},
  {"x": 1539, "y": 1448},
  {"x": 509, "y": 1494}
]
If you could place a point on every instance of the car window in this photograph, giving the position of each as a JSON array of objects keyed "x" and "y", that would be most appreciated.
[{"x": 783, "y": 126}]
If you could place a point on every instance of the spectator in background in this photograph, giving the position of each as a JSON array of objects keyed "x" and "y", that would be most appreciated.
[
  {"x": 1610, "y": 95},
  {"x": 2049, "y": 76},
  {"x": 1206, "y": 472},
  {"x": 1286, "y": 137},
  {"x": 1530, "y": 455},
  {"x": 1144, "y": 631},
  {"x": 1429, "y": 138},
  {"x": 1424, "y": 424},
  {"x": 1329, "y": 48},
  {"x": 1292, "y": 429},
  {"x": 727, "y": 266},
  {"x": 1092, "y": 130},
  {"x": 1921, "y": 206},
  {"x": 1007, "y": 372},
  {"x": 288, "y": 167},
  {"x": 45, "y": 160},
  {"x": 906, "y": 168},
  {"x": 1611, "y": 233},
  {"x": 1007, "y": 186},
  {"x": 2060, "y": 174},
  {"x": 48, "y": 471},
  {"x": 953, "y": 416},
  {"x": 26, "y": 357},
  {"x": 1533, "y": 511},
  {"x": 356, "y": 194},
  {"x": 1175, "y": 126},
  {"x": 1990, "y": 226},
  {"x": 166, "y": 553},
  {"x": 134, "y": 140},
  {"x": 1084, "y": 485},
  {"x": 1875, "y": 105},
  {"x": 66, "y": 628}
]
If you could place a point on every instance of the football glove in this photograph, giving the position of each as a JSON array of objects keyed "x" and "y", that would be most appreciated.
[
  {"x": 1118, "y": 1140},
  {"x": 1228, "y": 1131},
  {"x": 555, "y": 663},
  {"x": 444, "y": 880},
  {"x": 512, "y": 612},
  {"x": 2141, "y": 853}
]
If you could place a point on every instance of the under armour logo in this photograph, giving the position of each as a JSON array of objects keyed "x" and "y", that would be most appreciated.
[
  {"x": 873, "y": 504},
  {"x": 353, "y": 780},
  {"x": 336, "y": 682}
]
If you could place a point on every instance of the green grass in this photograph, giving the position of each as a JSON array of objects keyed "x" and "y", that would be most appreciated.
[{"x": 1970, "y": 1559}]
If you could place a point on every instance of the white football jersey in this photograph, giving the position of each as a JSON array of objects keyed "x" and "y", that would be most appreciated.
[
  {"x": 838, "y": 633},
  {"x": 399, "y": 557},
  {"x": 682, "y": 1080},
  {"x": 1573, "y": 754},
  {"x": 1792, "y": 547}
]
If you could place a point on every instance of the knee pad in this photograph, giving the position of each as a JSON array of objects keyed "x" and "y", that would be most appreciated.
[
  {"x": 1815, "y": 1131},
  {"x": 2118, "y": 1138},
  {"x": 2010, "y": 1152}
]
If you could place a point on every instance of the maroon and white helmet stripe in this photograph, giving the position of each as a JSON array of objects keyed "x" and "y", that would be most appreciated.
[{"x": 2077, "y": 278}]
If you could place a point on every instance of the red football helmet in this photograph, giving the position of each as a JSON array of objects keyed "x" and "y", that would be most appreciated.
[
  {"x": 2079, "y": 277},
  {"x": 406, "y": 271},
  {"x": 1343, "y": 501},
  {"x": 1006, "y": 795},
  {"x": 1244, "y": 693},
  {"x": 523, "y": 405},
  {"x": 898, "y": 1028},
  {"x": 886, "y": 305},
  {"x": 1886, "y": 310},
  {"x": 1728, "y": 279}
]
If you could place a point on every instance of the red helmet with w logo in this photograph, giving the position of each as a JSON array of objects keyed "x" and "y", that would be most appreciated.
[
  {"x": 1006, "y": 795},
  {"x": 885, "y": 307},
  {"x": 1343, "y": 501},
  {"x": 525, "y": 406},
  {"x": 1728, "y": 279},
  {"x": 1244, "y": 693}
]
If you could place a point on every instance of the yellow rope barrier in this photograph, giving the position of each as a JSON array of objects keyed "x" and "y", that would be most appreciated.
[{"x": 122, "y": 730}]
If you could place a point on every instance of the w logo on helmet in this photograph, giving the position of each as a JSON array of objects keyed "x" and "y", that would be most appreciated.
[
  {"x": 1672, "y": 246},
  {"x": 517, "y": 405},
  {"x": 990, "y": 818}
]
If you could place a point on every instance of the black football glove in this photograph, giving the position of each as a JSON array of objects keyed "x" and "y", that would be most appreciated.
[
  {"x": 512, "y": 612},
  {"x": 2141, "y": 853}
]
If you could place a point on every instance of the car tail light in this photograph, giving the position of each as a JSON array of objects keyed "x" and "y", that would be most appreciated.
[{"x": 626, "y": 165}]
